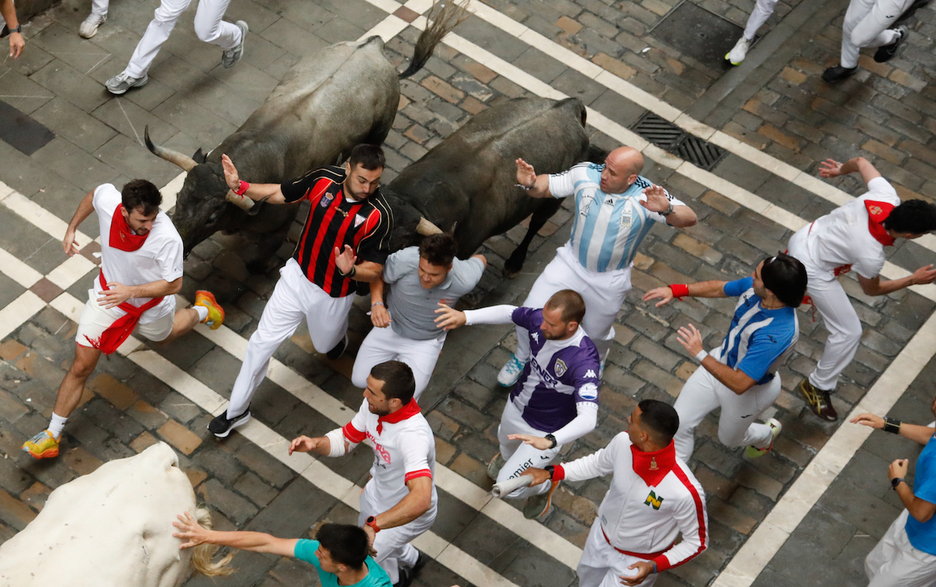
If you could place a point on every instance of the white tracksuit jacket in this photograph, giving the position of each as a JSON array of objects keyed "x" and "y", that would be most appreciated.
[{"x": 640, "y": 518}]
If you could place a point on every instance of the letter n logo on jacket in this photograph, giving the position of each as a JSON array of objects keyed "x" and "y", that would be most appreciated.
[{"x": 653, "y": 500}]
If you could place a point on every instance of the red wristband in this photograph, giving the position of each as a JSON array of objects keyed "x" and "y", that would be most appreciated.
[
  {"x": 242, "y": 188},
  {"x": 680, "y": 290}
]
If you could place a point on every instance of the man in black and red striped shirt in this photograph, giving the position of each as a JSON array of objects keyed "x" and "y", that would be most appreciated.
[{"x": 345, "y": 239}]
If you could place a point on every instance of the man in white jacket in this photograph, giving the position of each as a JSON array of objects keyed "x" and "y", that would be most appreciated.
[{"x": 653, "y": 497}]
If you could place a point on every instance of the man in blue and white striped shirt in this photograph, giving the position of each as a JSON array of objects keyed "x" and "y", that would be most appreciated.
[
  {"x": 741, "y": 375},
  {"x": 614, "y": 209}
]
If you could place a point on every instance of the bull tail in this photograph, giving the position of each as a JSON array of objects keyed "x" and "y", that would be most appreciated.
[
  {"x": 444, "y": 16},
  {"x": 203, "y": 553}
]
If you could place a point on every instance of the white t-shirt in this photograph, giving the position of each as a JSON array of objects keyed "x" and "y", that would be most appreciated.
[
  {"x": 403, "y": 450},
  {"x": 842, "y": 238},
  {"x": 160, "y": 257}
]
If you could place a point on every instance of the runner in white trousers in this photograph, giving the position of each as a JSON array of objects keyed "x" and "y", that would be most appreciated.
[{"x": 868, "y": 24}]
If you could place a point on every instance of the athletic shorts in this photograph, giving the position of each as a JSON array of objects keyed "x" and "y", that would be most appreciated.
[{"x": 96, "y": 319}]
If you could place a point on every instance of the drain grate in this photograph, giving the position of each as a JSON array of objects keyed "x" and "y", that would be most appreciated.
[{"x": 672, "y": 139}]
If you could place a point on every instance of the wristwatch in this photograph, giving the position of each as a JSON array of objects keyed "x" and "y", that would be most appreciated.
[
  {"x": 372, "y": 522},
  {"x": 669, "y": 210},
  {"x": 7, "y": 30},
  {"x": 896, "y": 481},
  {"x": 551, "y": 439}
]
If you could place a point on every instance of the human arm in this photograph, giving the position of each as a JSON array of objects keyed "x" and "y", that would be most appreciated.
[
  {"x": 538, "y": 184},
  {"x": 734, "y": 379},
  {"x": 189, "y": 529},
  {"x": 656, "y": 199},
  {"x": 85, "y": 208},
  {"x": 118, "y": 293},
  {"x": 346, "y": 261},
  {"x": 917, "y": 433},
  {"x": 449, "y": 318},
  {"x": 585, "y": 420},
  {"x": 876, "y": 287},
  {"x": 380, "y": 317},
  {"x": 831, "y": 168},
  {"x": 702, "y": 289},
  {"x": 692, "y": 518},
  {"x": 337, "y": 442},
  {"x": 416, "y": 503},
  {"x": 920, "y": 509},
  {"x": 17, "y": 43},
  {"x": 269, "y": 192}
]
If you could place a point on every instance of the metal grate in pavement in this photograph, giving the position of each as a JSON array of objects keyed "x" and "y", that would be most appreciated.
[{"x": 672, "y": 139}]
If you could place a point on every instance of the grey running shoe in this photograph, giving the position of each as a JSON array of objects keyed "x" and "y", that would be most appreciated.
[
  {"x": 537, "y": 505},
  {"x": 120, "y": 83},
  {"x": 90, "y": 25},
  {"x": 232, "y": 56},
  {"x": 495, "y": 466}
]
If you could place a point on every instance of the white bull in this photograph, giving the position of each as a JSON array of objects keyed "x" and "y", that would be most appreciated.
[{"x": 111, "y": 528}]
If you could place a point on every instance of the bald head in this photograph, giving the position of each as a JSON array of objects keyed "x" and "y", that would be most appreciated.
[{"x": 621, "y": 168}]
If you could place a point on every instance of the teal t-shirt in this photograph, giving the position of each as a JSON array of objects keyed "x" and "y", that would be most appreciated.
[{"x": 376, "y": 576}]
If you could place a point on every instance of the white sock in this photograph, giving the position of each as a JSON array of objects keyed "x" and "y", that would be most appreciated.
[
  {"x": 202, "y": 313},
  {"x": 57, "y": 425}
]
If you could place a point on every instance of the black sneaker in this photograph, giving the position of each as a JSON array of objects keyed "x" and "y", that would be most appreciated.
[
  {"x": 838, "y": 73},
  {"x": 220, "y": 426},
  {"x": 339, "y": 349},
  {"x": 887, "y": 52},
  {"x": 408, "y": 574}
]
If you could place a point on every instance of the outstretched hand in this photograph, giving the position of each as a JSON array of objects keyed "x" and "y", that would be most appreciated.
[
  {"x": 923, "y": 275},
  {"x": 345, "y": 259},
  {"x": 656, "y": 199},
  {"x": 830, "y": 168},
  {"x": 691, "y": 339},
  {"x": 525, "y": 173},
  {"x": 231, "y": 177},
  {"x": 449, "y": 318},
  {"x": 190, "y": 530},
  {"x": 664, "y": 294}
]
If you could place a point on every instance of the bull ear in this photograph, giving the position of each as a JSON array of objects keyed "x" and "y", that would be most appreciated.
[{"x": 199, "y": 156}]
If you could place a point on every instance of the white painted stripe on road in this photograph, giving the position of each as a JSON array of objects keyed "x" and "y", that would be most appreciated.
[
  {"x": 18, "y": 271},
  {"x": 40, "y": 217},
  {"x": 20, "y": 310}
]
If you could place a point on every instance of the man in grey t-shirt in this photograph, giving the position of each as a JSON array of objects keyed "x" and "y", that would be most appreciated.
[{"x": 404, "y": 327}]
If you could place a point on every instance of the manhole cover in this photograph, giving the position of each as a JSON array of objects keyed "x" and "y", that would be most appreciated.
[
  {"x": 698, "y": 33},
  {"x": 672, "y": 139}
]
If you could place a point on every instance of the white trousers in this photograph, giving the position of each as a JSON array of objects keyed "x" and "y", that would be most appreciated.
[
  {"x": 603, "y": 566},
  {"x": 519, "y": 456},
  {"x": 208, "y": 26},
  {"x": 384, "y": 344},
  {"x": 838, "y": 315},
  {"x": 866, "y": 25},
  {"x": 702, "y": 393},
  {"x": 99, "y": 7},
  {"x": 603, "y": 294},
  {"x": 293, "y": 299},
  {"x": 762, "y": 11},
  {"x": 895, "y": 563},
  {"x": 393, "y": 544}
]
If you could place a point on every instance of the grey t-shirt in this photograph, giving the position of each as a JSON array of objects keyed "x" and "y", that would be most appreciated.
[{"x": 412, "y": 307}]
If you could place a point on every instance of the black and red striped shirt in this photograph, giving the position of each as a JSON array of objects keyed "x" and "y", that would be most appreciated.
[{"x": 335, "y": 222}]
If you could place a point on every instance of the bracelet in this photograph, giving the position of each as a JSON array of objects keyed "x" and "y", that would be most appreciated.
[
  {"x": 349, "y": 274},
  {"x": 242, "y": 188},
  {"x": 700, "y": 356},
  {"x": 680, "y": 290},
  {"x": 378, "y": 304},
  {"x": 891, "y": 425},
  {"x": 526, "y": 187},
  {"x": 654, "y": 566}
]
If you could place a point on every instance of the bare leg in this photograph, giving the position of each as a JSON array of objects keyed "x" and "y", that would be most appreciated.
[
  {"x": 69, "y": 392},
  {"x": 184, "y": 321}
]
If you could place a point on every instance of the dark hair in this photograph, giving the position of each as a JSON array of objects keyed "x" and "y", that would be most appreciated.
[
  {"x": 571, "y": 302},
  {"x": 140, "y": 193},
  {"x": 438, "y": 249},
  {"x": 346, "y": 544},
  {"x": 660, "y": 420},
  {"x": 912, "y": 217},
  {"x": 369, "y": 157},
  {"x": 398, "y": 380},
  {"x": 785, "y": 276}
]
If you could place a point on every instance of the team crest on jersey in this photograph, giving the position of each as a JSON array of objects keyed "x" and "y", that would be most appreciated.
[
  {"x": 875, "y": 210},
  {"x": 560, "y": 367},
  {"x": 326, "y": 200},
  {"x": 653, "y": 500},
  {"x": 589, "y": 392},
  {"x": 358, "y": 219}
]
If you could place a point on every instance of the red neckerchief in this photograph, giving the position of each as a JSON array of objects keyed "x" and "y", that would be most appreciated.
[
  {"x": 407, "y": 411},
  {"x": 877, "y": 214},
  {"x": 115, "y": 334},
  {"x": 653, "y": 466},
  {"x": 121, "y": 237}
]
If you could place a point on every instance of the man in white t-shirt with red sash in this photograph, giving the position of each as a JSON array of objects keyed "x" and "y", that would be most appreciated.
[
  {"x": 141, "y": 270},
  {"x": 853, "y": 237},
  {"x": 399, "y": 502}
]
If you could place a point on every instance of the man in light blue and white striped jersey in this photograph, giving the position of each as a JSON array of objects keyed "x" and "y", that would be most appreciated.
[{"x": 615, "y": 208}]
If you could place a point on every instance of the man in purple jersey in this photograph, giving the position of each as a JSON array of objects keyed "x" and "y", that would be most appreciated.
[{"x": 555, "y": 401}]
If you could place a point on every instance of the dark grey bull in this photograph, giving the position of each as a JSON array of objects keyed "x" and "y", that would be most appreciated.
[
  {"x": 466, "y": 184},
  {"x": 331, "y": 100}
]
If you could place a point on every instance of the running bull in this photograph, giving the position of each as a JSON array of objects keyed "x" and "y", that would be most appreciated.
[
  {"x": 331, "y": 100},
  {"x": 111, "y": 528},
  {"x": 466, "y": 185}
]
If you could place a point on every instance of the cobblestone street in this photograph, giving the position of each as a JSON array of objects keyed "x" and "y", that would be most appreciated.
[{"x": 773, "y": 116}]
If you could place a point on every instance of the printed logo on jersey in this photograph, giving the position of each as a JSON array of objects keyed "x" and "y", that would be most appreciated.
[
  {"x": 326, "y": 200},
  {"x": 590, "y": 374},
  {"x": 534, "y": 336},
  {"x": 358, "y": 219},
  {"x": 589, "y": 392},
  {"x": 380, "y": 450},
  {"x": 654, "y": 501},
  {"x": 560, "y": 367},
  {"x": 543, "y": 373}
]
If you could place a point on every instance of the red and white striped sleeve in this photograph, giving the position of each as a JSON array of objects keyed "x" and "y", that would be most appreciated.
[{"x": 693, "y": 523}]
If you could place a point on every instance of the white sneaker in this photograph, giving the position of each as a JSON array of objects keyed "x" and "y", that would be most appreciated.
[
  {"x": 510, "y": 373},
  {"x": 120, "y": 83},
  {"x": 775, "y": 427},
  {"x": 90, "y": 25},
  {"x": 232, "y": 56},
  {"x": 739, "y": 52}
]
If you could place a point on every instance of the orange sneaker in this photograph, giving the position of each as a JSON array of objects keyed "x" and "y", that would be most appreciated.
[
  {"x": 215, "y": 312},
  {"x": 42, "y": 446}
]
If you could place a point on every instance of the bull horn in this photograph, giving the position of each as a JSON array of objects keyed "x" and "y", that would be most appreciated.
[
  {"x": 425, "y": 228},
  {"x": 249, "y": 206},
  {"x": 175, "y": 157}
]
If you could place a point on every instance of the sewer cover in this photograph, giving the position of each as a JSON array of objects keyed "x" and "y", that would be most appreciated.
[
  {"x": 675, "y": 140},
  {"x": 698, "y": 33},
  {"x": 21, "y": 131}
]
